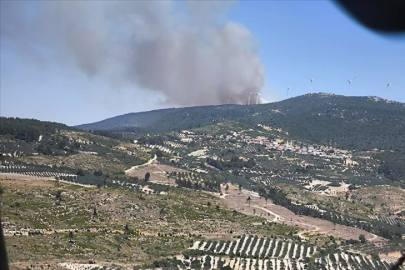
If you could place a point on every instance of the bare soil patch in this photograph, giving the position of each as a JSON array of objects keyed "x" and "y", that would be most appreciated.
[
  {"x": 158, "y": 173},
  {"x": 385, "y": 199},
  {"x": 81, "y": 160},
  {"x": 275, "y": 213}
]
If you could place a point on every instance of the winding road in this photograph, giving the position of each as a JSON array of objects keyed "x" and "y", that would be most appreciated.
[
  {"x": 276, "y": 217},
  {"x": 150, "y": 161}
]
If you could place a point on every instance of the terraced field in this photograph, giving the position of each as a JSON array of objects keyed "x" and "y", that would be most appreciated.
[
  {"x": 252, "y": 246},
  {"x": 251, "y": 252},
  {"x": 238, "y": 263},
  {"x": 330, "y": 262},
  {"x": 35, "y": 172},
  {"x": 349, "y": 261},
  {"x": 391, "y": 221}
]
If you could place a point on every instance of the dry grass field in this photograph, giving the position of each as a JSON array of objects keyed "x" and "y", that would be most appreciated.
[{"x": 113, "y": 226}]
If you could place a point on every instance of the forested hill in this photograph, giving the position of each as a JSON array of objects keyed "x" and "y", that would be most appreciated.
[
  {"x": 360, "y": 123},
  {"x": 28, "y": 129}
]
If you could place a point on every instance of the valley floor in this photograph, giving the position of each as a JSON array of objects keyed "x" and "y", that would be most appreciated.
[{"x": 42, "y": 239}]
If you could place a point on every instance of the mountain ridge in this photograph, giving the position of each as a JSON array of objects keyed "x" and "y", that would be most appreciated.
[
  {"x": 134, "y": 119},
  {"x": 355, "y": 123}
]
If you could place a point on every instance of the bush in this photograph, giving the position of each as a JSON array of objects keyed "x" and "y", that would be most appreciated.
[{"x": 80, "y": 172}]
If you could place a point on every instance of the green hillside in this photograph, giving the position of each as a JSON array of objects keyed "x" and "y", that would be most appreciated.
[
  {"x": 224, "y": 192},
  {"x": 28, "y": 129},
  {"x": 29, "y": 141},
  {"x": 356, "y": 123}
]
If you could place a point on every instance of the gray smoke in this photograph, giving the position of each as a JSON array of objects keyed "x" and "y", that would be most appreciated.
[{"x": 186, "y": 50}]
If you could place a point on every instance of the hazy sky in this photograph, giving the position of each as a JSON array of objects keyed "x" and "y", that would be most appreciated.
[{"x": 224, "y": 50}]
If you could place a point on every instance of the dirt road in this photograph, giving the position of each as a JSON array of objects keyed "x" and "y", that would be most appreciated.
[
  {"x": 150, "y": 161},
  {"x": 238, "y": 200}
]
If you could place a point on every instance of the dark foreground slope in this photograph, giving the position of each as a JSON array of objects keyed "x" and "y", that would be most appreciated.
[{"x": 360, "y": 123}]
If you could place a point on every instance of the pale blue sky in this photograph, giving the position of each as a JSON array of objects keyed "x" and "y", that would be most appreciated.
[
  {"x": 315, "y": 39},
  {"x": 298, "y": 40}
]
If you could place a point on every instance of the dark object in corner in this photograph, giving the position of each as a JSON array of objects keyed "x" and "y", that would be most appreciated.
[
  {"x": 3, "y": 253},
  {"x": 399, "y": 262},
  {"x": 384, "y": 16}
]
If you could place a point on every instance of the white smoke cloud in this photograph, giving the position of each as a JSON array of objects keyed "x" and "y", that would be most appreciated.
[{"x": 188, "y": 52}]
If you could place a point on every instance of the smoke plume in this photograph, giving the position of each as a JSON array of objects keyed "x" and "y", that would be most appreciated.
[{"x": 187, "y": 51}]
